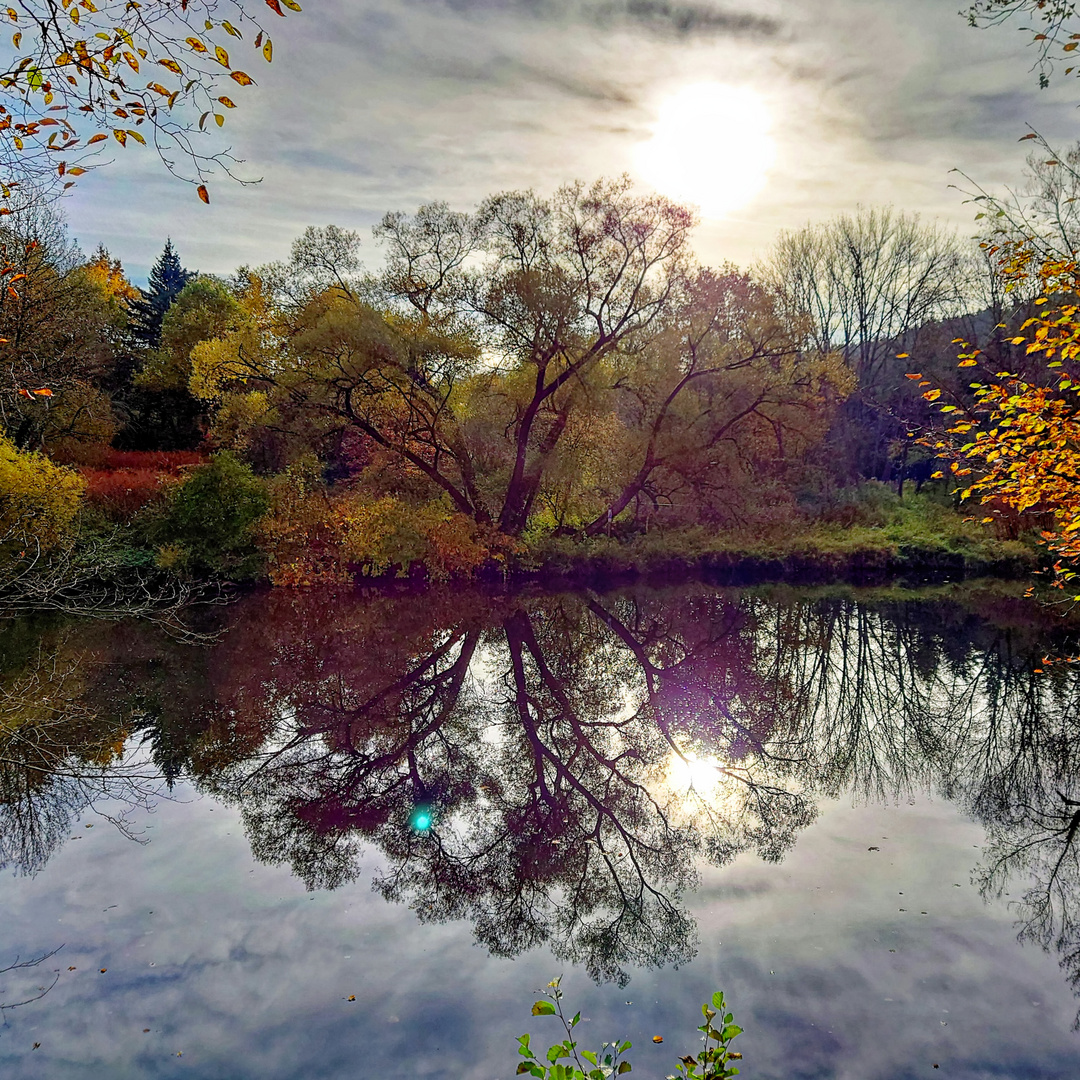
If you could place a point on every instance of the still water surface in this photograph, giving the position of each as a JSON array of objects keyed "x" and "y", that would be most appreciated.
[{"x": 351, "y": 835}]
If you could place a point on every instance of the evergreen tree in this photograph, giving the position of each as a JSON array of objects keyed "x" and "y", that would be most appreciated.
[{"x": 167, "y": 278}]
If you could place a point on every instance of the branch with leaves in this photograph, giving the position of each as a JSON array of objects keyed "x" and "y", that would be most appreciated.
[{"x": 80, "y": 76}]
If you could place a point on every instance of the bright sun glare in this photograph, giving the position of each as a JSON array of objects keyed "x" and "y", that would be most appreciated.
[{"x": 710, "y": 146}]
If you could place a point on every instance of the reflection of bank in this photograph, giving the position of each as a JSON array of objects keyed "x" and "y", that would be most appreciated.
[{"x": 553, "y": 769}]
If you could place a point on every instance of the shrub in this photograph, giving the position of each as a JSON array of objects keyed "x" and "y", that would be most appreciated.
[
  {"x": 170, "y": 461},
  {"x": 120, "y": 493},
  {"x": 39, "y": 501},
  {"x": 209, "y": 518},
  {"x": 313, "y": 536}
]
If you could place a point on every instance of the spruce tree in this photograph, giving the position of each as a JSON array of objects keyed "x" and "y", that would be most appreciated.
[{"x": 167, "y": 278}]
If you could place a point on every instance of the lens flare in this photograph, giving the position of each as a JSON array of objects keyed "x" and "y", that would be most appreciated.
[{"x": 711, "y": 146}]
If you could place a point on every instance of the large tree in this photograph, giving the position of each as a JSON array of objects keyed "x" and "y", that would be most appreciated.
[{"x": 560, "y": 357}]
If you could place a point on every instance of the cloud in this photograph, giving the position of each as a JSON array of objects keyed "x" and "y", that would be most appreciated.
[{"x": 665, "y": 17}]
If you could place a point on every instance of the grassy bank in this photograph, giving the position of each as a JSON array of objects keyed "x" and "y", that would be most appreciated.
[{"x": 917, "y": 539}]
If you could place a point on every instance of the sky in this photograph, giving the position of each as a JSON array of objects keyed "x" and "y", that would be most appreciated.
[{"x": 767, "y": 113}]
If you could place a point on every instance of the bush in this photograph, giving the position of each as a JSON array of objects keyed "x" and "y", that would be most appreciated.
[
  {"x": 39, "y": 502},
  {"x": 209, "y": 518},
  {"x": 121, "y": 493},
  {"x": 169, "y": 461},
  {"x": 315, "y": 536}
]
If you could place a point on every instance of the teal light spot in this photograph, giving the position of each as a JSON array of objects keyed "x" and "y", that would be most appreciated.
[{"x": 420, "y": 819}]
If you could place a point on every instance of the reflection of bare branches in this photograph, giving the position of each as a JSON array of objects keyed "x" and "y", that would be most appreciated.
[
  {"x": 22, "y": 965},
  {"x": 58, "y": 760},
  {"x": 1038, "y": 847}
]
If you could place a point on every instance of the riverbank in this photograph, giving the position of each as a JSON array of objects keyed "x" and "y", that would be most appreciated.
[{"x": 812, "y": 555}]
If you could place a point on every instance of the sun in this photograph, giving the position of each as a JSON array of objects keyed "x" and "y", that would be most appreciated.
[{"x": 711, "y": 146}]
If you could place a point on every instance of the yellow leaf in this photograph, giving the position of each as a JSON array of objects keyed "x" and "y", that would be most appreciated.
[
  {"x": 227, "y": 102},
  {"x": 136, "y": 136},
  {"x": 120, "y": 136},
  {"x": 196, "y": 44},
  {"x": 219, "y": 119},
  {"x": 268, "y": 50},
  {"x": 242, "y": 77},
  {"x": 172, "y": 65},
  {"x": 222, "y": 56}
]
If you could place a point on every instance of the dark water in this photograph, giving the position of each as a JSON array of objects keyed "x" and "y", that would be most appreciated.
[{"x": 856, "y": 814}]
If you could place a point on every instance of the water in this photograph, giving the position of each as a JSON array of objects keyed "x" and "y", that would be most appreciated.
[{"x": 352, "y": 835}]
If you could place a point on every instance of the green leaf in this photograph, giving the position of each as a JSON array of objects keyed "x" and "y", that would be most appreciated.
[
  {"x": 574, "y": 1022},
  {"x": 625, "y": 1067},
  {"x": 731, "y": 1030},
  {"x": 625, "y": 1046},
  {"x": 523, "y": 1067},
  {"x": 589, "y": 1056},
  {"x": 718, "y": 1000},
  {"x": 543, "y": 1008}
]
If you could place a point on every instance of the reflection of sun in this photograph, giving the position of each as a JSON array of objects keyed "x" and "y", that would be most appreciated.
[
  {"x": 710, "y": 146},
  {"x": 691, "y": 773}
]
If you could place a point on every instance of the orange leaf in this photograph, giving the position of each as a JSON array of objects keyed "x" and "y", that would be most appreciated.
[
  {"x": 204, "y": 194},
  {"x": 242, "y": 77},
  {"x": 196, "y": 44},
  {"x": 274, "y": 6},
  {"x": 172, "y": 65},
  {"x": 227, "y": 102},
  {"x": 96, "y": 139}
]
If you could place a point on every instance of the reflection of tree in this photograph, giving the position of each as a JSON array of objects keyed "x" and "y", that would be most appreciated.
[
  {"x": 553, "y": 769},
  {"x": 58, "y": 758}
]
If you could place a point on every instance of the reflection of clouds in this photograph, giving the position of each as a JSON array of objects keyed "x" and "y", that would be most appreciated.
[
  {"x": 383, "y": 104},
  {"x": 251, "y": 975}
]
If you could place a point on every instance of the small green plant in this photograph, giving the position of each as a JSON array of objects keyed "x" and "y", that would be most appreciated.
[{"x": 712, "y": 1063}]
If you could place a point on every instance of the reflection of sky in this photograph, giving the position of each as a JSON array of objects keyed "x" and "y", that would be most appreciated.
[{"x": 236, "y": 967}]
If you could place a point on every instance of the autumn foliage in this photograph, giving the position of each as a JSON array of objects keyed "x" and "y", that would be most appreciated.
[
  {"x": 1014, "y": 444},
  {"x": 127, "y": 480},
  {"x": 39, "y": 503}
]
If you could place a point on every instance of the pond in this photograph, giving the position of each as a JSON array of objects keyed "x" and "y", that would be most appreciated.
[{"x": 350, "y": 834}]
